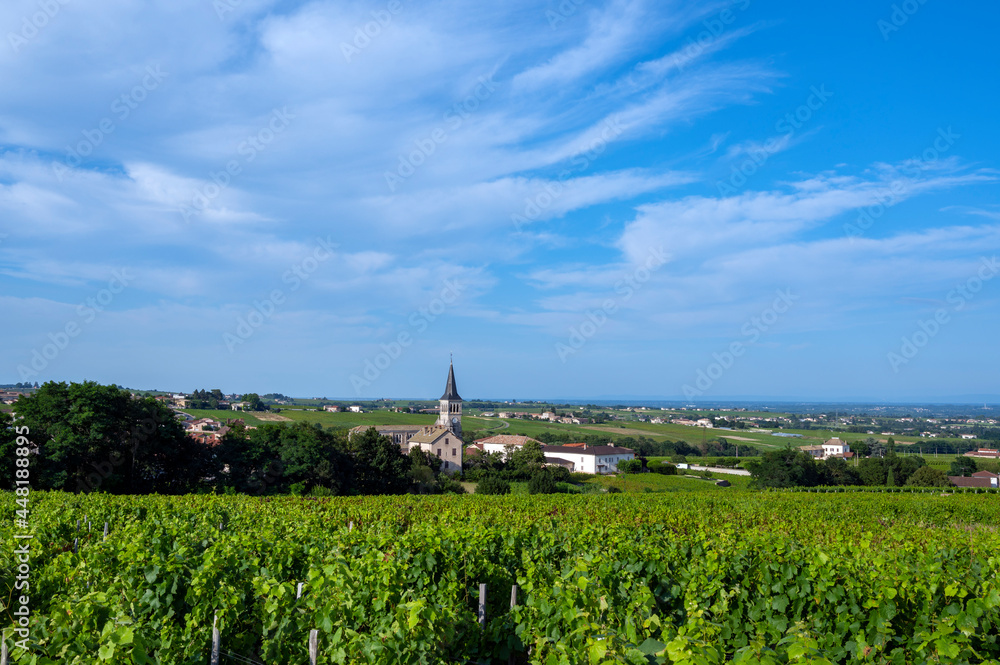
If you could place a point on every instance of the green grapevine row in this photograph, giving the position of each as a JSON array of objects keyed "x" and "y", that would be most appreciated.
[{"x": 698, "y": 577}]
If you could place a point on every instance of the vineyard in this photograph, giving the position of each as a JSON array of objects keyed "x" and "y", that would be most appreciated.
[{"x": 698, "y": 577}]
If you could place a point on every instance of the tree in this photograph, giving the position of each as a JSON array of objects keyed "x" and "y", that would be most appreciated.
[
  {"x": 524, "y": 461},
  {"x": 873, "y": 471},
  {"x": 8, "y": 453},
  {"x": 928, "y": 477},
  {"x": 379, "y": 465},
  {"x": 890, "y": 478},
  {"x": 93, "y": 437},
  {"x": 785, "y": 468},
  {"x": 963, "y": 466},
  {"x": 630, "y": 466},
  {"x": 493, "y": 484},
  {"x": 836, "y": 471},
  {"x": 542, "y": 482},
  {"x": 254, "y": 402}
]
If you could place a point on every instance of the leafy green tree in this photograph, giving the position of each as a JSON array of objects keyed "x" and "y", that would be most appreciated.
[
  {"x": 963, "y": 466},
  {"x": 493, "y": 484},
  {"x": 379, "y": 465},
  {"x": 525, "y": 460},
  {"x": 784, "y": 468},
  {"x": 93, "y": 437},
  {"x": 8, "y": 453},
  {"x": 425, "y": 468},
  {"x": 542, "y": 482},
  {"x": 904, "y": 467},
  {"x": 928, "y": 477},
  {"x": 890, "y": 478},
  {"x": 630, "y": 466},
  {"x": 836, "y": 471},
  {"x": 254, "y": 402},
  {"x": 873, "y": 471}
]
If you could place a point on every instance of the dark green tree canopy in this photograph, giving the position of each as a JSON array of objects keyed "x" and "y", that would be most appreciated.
[{"x": 93, "y": 437}]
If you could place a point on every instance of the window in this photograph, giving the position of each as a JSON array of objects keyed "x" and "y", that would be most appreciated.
[
  {"x": 454, "y": 452},
  {"x": 439, "y": 452}
]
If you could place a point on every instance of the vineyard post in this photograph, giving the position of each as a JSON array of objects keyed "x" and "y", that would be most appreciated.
[
  {"x": 513, "y": 604},
  {"x": 215, "y": 640},
  {"x": 76, "y": 542},
  {"x": 313, "y": 646},
  {"x": 482, "y": 605},
  {"x": 298, "y": 591},
  {"x": 3, "y": 649},
  {"x": 105, "y": 531}
]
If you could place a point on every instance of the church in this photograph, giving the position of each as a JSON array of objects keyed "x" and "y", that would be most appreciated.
[{"x": 443, "y": 438}]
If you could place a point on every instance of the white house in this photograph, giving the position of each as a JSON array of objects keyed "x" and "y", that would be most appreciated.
[
  {"x": 503, "y": 443},
  {"x": 835, "y": 448},
  {"x": 968, "y": 436},
  {"x": 331, "y": 408},
  {"x": 355, "y": 409},
  {"x": 588, "y": 459}
]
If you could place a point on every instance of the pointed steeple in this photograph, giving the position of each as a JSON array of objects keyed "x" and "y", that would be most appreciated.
[{"x": 450, "y": 391}]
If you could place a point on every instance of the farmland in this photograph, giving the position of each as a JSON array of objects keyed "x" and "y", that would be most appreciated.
[{"x": 695, "y": 577}]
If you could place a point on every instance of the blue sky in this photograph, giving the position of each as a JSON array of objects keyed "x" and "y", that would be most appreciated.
[{"x": 577, "y": 199}]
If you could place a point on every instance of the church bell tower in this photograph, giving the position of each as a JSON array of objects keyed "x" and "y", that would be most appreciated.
[{"x": 451, "y": 406}]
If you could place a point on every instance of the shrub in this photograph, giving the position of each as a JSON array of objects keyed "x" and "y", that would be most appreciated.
[
  {"x": 448, "y": 485},
  {"x": 662, "y": 468},
  {"x": 925, "y": 476},
  {"x": 541, "y": 482},
  {"x": 493, "y": 485},
  {"x": 614, "y": 490}
]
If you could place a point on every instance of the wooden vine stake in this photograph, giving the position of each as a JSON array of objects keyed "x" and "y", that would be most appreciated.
[
  {"x": 215, "y": 641},
  {"x": 513, "y": 604},
  {"x": 298, "y": 590},
  {"x": 482, "y": 605},
  {"x": 3, "y": 649},
  {"x": 313, "y": 646}
]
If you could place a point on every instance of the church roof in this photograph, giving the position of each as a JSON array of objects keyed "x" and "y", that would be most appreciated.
[
  {"x": 429, "y": 435},
  {"x": 450, "y": 391}
]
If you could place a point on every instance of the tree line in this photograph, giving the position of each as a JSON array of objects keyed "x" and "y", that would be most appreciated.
[
  {"x": 90, "y": 437},
  {"x": 794, "y": 468}
]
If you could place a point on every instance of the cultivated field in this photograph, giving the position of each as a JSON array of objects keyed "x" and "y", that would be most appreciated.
[{"x": 695, "y": 577}]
